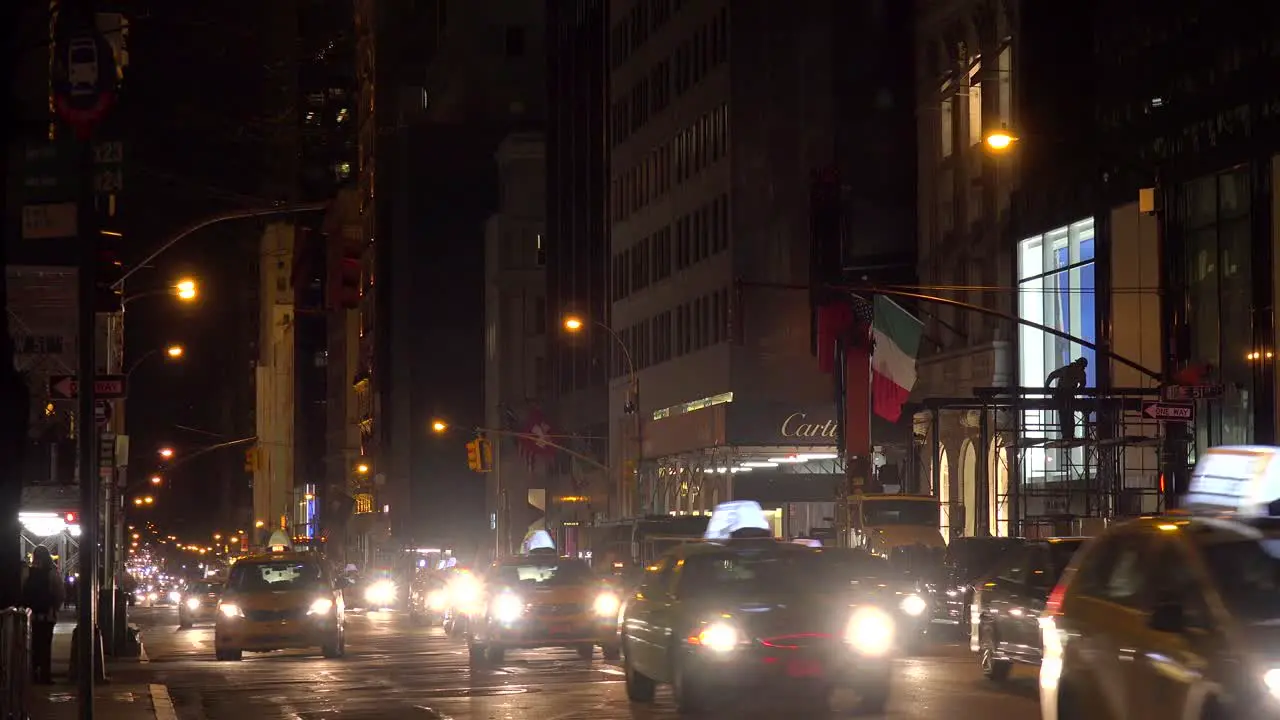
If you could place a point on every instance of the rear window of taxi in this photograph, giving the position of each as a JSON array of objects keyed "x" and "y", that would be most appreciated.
[
  {"x": 551, "y": 572},
  {"x": 737, "y": 573},
  {"x": 275, "y": 576}
]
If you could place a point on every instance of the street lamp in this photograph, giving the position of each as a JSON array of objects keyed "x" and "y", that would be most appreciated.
[
  {"x": 166, "y": 453},
  {"x": 439, "y": 426},
  {"x": 156, "y": 479},
  {"x": 998, "y": 141},
  {"x": 173, "y": 352},
  {"x": 186, "y": 290},
  {"x": 574, "y": 324},
  {"x": 362, "y": 469}
]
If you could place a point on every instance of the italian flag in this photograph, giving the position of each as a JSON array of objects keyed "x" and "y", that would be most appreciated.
[{"x": 896, "y": 333}]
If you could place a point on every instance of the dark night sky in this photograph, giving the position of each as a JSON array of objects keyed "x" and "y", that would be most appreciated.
[{"x": 195, "y": 117}]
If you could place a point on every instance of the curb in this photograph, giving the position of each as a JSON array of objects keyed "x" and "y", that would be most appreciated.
[{"x": 162, "y": 703}]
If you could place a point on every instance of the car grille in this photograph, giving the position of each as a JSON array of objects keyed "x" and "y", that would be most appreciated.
[
  {"x": 273, "y": 615},
  {"x": 557, "y": 609}
]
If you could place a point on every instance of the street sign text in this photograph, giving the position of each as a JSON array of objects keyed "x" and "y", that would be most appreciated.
[
  {"x": 1160, "y": 411},
  {"x": 64, "y": 387}
]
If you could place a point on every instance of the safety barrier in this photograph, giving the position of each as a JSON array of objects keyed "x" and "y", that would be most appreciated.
[{"x": 15, "y": 663}]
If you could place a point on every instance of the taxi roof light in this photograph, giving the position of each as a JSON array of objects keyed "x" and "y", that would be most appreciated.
[
  {"x": 731, "y": 517},
  {"x": 538, "y": 540},
  {"x": 1239, "y": 480}
]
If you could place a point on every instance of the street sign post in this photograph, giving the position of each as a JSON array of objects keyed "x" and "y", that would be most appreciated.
[
  {"x": 106, "y": 454},
  {"x": 1190, "y": 393},
  {"x": 1174, "y": 413},
  {"x": 65, "y": 387}
]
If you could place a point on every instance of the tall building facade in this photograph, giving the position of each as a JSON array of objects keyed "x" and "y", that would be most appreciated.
[
  {"x": 578, "y": 252},
  {"x": 274, "y": 476},
  {"x": 715, "y": 392},
  {"x": 441, "y": 87},
  {"x": 515, "y": 352}
]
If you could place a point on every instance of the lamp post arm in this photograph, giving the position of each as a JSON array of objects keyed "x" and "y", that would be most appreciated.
[
  {"x": 209, "y": 449},
  {"x": 136, "y": 363},
  {"x": 543, "y": 439},
  {"x": 289, "y": 209},
  {"x": 626, "y": 351}
]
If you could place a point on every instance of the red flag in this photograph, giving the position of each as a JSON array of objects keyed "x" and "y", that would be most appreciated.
[{"x": 834, "y": 321}]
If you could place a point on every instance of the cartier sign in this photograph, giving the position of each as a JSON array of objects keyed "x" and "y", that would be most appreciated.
[{"x": 798, "y": 425}]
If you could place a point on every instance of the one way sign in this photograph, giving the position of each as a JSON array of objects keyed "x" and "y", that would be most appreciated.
[
  {"x": 1160, "y": 411},
  {"x": 106, "y": 387}
]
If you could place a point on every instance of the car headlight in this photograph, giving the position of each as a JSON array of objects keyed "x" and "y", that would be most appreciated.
[
  {"x": 175, "y": 597},
  {"x": 1271, "y": 679},
  {"x": 382, "y": 592},
  {"x": 230, "y": 610},
  {"x": 506, "y": 608},
  {"x": 193, "y": 603},
  {"x": 321, "y": 606},
  {"x": 606, "y": 605},
  {"x": 913, "y": 605},
  {"x": 870, "y": 631},
  {"x": 437, "y": 600},
  {"x": 719, "y": 637},
  {"x": 152, "y": 597},
  {"x": 463, "y": 591}
]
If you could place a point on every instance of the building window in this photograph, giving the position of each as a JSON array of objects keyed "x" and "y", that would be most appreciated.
[
  {"x": 1216, "y": 221},
  {"x": 1056, "y": 289},
  {"x": 540, "y": 251},
  {"x": 975, "y": 105},
  {"x": 515, "y": 41}
]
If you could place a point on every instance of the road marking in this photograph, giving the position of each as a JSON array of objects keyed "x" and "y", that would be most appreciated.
[
  {"x": 142, "y": 653},
  {"x": 162, "y": 703}
]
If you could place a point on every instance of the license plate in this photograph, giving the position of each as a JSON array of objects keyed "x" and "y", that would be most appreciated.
[{"x": 804, "y": 668}]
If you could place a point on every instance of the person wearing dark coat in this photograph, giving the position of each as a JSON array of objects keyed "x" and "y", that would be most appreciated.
[{"x": 43, "y": 593}]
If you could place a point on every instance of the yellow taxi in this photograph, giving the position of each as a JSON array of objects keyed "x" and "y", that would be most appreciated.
[
  {"x": 539, "y": 599},
  {"x": 1175, "y": 616},
  {"x": 277, "y": 601}
]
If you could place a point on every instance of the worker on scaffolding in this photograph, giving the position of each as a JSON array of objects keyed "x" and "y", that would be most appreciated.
[{"x": 1065, "y": 383}]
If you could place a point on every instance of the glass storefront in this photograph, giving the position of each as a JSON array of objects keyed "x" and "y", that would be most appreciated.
[
  {"x": 1216, "y": 224},
  {"x": 1056, "y": 289}
]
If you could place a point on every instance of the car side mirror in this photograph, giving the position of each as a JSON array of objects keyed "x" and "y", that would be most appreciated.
[
  {"x": 1168, "y": 617},
  {"x": 341, "y": 584}
]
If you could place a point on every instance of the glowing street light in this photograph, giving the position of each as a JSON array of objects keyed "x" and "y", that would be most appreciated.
[
  {"x": 259, "y": 524},
  {"x": 574, "y": 323},
  {"x": 137, "y": 501},
  {"x": 217, "y": 536},
  {"x": 156, "y": 479},
  {"x": 1000, "y": 140},
  {"x": 439, "y": 426},
  {"x": 175, "y": 351},
  {"x": 147, "y": 500},
  {"x": 186, "y": 289},
  {"x": 362, "y": 468},
  {"x": 166, "y": 453}
]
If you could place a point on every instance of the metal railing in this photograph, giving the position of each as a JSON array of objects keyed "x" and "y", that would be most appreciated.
[{"x": 15, "y": 663}]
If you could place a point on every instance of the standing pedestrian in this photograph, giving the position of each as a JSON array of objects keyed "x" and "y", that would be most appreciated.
[{"x": 44, "y": 594}]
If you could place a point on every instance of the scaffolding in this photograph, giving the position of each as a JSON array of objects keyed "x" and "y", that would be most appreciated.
[{"x": 1107, "y": 468}]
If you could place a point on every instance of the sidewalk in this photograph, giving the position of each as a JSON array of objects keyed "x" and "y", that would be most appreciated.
[{"x": 112, "y": 701}]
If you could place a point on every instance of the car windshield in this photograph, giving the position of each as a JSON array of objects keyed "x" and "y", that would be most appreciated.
[
  {"x": 899, "y": 512},
  {"x": 752, "y": 573},
  {"x": 275, "y": 576},
  {"x": 1247, "y": 574},
  {"x": 551, "y": 573},
  {"x": 204, "y": 588},
  {"x": 845, "y": 567}
]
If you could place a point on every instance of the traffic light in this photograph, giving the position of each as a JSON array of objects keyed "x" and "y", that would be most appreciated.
[
  {"x": 251, "y": 459},
  {"x": 479, "y": 455},
  {"x": 71, "y": 518},
  {"x": 107, "y": 298}
]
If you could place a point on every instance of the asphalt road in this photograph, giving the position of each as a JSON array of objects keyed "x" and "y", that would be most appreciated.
[{"x": 395, "y": 670}]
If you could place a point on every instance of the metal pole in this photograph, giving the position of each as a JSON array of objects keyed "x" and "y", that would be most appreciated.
[
  {"x": 633, "y": 497},
  {"x": 85, "y": 433}
]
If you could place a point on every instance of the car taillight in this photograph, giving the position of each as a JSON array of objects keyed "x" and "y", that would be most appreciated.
[{"x": 1053, "y": 605}]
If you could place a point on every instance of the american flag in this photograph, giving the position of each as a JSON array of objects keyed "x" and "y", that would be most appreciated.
[{"x": 863, "y": 317}]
